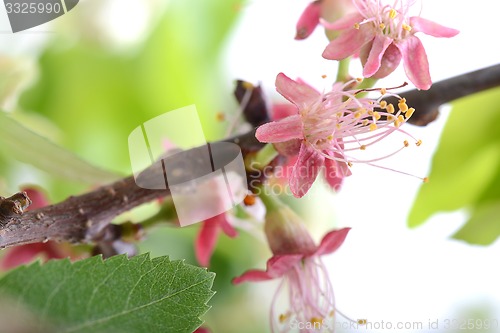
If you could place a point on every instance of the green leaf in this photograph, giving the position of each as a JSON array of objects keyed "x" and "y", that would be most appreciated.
[
  {"x": 467, "y": 160},
  {"x": 27, "y": 146},
  {"x": 484, "y": 225},
  {"x": 115, "y": 295}
]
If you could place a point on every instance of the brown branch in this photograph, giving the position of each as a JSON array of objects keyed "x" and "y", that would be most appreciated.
[
  {"x": 82, "y": 218},
  {"x": 427, "y": 102}
]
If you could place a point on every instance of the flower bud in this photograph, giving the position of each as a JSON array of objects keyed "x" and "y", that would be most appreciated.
[{"x": 285, "y": 231}]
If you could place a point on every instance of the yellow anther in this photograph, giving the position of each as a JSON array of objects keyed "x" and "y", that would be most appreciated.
[
  {"x": 401, "y": 119},
  {"x": 406, "y": 143},
  {"x": 361, "y": 321},
  {"x": 403, "y": 107},
  {"x": 392, "y": 13},
  {"x": 362, "y": 147},
  {"x": 373, "y": 127},
  {"x": 406, "y": 27},
  {"x": 349, "y": 164},
  {"x": 383, "y": 104},
  {"x": 383, "y": 91},
  {"x": 247, "y": 85},
  {"x": 330, "y": 137},
  {"x": 357, "y": 115},
  {"x": 338, "y": 114},
  {"x": 365, "y": 122},
  {"x": 220, "y": 116},
  {"x": 359, "y": 79},
  {"x": 338, "y": 126},
  {"x": 390, "y": 108},
  {"x": 418, "y": 143},
  {"x": 283, "y": 317},
  {"x": 376, "y": 115},
  {"x": 356, "y": 25},
  {"x": 323, "y": 76},
  {"x": 316, "y": 321},
  {"x": 409, "y": 113},
  {"x": 370, "y": 112},
  {"x": 390, "y": 118},
  {"x": 381, "y": 26},
  {"x": 426, "y": 179},
  {"x": 397, "y": 123}
]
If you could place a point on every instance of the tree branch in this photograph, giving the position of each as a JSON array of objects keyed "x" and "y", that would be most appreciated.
[
  {"x": 82, "y": 218},
  {"x": 427, "y": 102}
]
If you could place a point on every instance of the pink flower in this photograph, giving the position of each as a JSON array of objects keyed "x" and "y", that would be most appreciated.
[
  {"x": 296, "y": 260},
  {"x": 383, "y": 35},
  {"x": 327, "y": 128}
]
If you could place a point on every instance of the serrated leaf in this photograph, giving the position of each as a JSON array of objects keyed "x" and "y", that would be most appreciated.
[
  {"x": 467, "y": 159},
  {"x": 116, "y": 295},
  {"x": 27, "y": 146}
]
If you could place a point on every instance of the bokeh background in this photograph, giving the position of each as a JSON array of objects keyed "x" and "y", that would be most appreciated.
[{"x": 87, "y": 79}]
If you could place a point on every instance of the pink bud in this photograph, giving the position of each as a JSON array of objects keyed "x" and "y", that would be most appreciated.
[{"x": 308, "y": 20}]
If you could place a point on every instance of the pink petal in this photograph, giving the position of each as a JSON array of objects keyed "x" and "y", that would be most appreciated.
[
  {"x": 280, "y": 111},
  {"x": 415, "y": 62},
  {"x": 206, "y": 240},
  {"x": 344, "y": 23},
  {"x": 308, "y": 20},
  {"x": 24, "y": 254},
  {"x": 431, "y": 28},
  {"x": 277, "y": 266},
  {"x": 379, "y": 45},
  {"x": 289, "y": 148},
  {"x": 282, "y": 130},
  {"x": 305, "y": 171},
  {"x": 226, "y": 227},
  {"x": 347, "y": 44},
  {"x": 390, "y": 61},
  {"x": 332, "y": 175},
  {"x": 300, "y": 94},
  {"x": 332, "y": 241}
]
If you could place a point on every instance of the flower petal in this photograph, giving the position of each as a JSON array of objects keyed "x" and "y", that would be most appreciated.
[
  {"x": 226, "y": 227},
  {"x": 280, "y": 111},
  {"x": 206, "y": 240},
  {"x": 390, "y": 61},
  {"x": 415, "y": 62},
  {"x": 347, "y": 44},
  {"x": 298, "y": 93},
  {"x": 333, "y": 174},
  {"x": 24, "y": 254},
  {"x": 431, "y": 28},
  {"x": 332, "y": 241},
  {"x": 343, "y": 23},
  {"x": 308, "y": 20},
  {"x": 277, "y": 266},
  {"x": 282, "y": 130},
  {"x": 377, "y": 51},
  {"x": 305, "y": 170}
]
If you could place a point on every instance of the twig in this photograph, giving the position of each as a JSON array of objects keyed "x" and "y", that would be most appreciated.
[{"x": 82, "y": 218}]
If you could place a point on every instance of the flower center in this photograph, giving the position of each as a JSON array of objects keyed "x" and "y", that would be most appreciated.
[{"x": 385, "y": 19}]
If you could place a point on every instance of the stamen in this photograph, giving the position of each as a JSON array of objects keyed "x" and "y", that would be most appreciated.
[
  {"x": 406, "y": 144},
  {"x": 373, "y": 127},
  {"x": 406, "y": 27},
  {"x": 418, "y": 143},
  {"x": 392, "y": 13},
  {"x": 381, "y": 26},
  {"x": 362, "y": 147},
  {"x": 409, "y": 113},
  {"x": 356, "y": 26},
  {"x": 383, "y": 104},
  {"x": 403, "y": 107},
  {"x": 390, "y": 108}
]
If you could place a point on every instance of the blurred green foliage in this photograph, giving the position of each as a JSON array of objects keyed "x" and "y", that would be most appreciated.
[{"x": 466, "y": 170}]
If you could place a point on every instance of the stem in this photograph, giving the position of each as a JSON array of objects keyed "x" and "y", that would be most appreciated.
[
  {"x": 343, "y": 70},
  {"x": 265, "y": 156}
]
